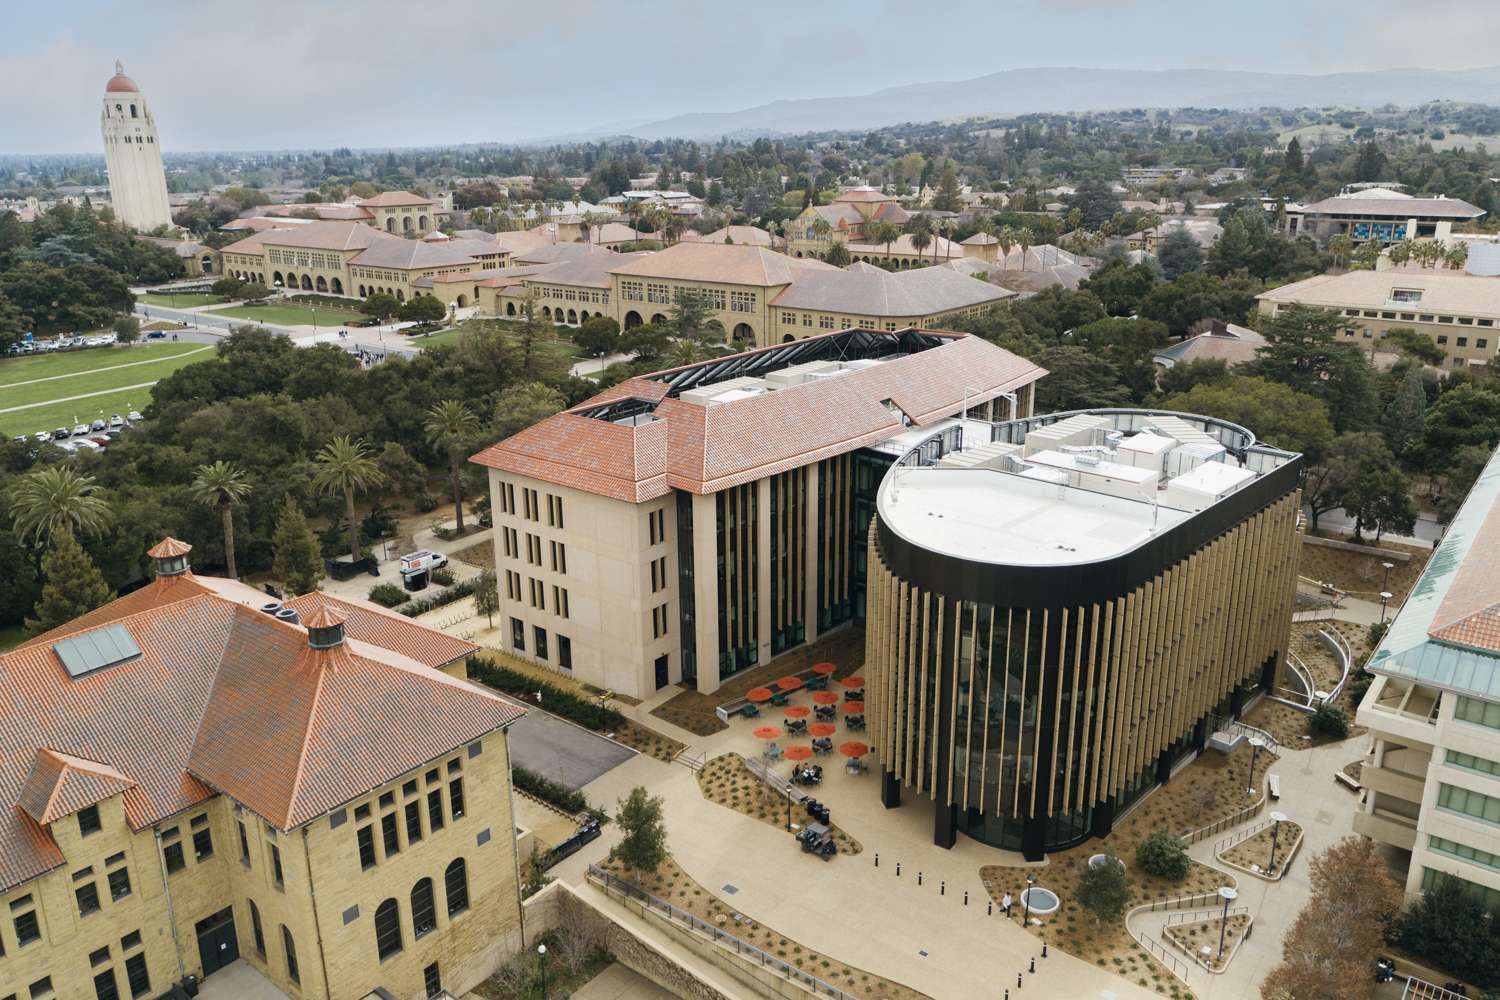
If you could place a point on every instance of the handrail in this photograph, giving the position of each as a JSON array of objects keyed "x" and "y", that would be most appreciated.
[
  {"x": 1196, "y": 915},
  {"x": 1176, "y": 902},
  {"x": 743, "y": 948},
  {"x": 1233, "y": 819},
  {"x": 1304, "y": 675},
  {"x": 1161, "y": 954},
  {"x": 1339, "y": 646},
  {"x": 1243, "y": 835}
]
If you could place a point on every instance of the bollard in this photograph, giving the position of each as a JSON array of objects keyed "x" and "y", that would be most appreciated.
[
  {"x": 966, "y": 897},
  {"x": 1018, "y": 980},
  {"x": 989, "y": 908},
  {"x": 919, "y": 878},
  {"x": 1033, "y": 966},
  {"x": 898, "y": 869},
  {"x": 877, "y": 859},
  {"x": 943, "y": 887},
  {"x": 1044, "y": 949}
]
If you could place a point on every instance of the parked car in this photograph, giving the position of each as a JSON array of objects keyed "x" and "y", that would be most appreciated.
[
  {"x": 116, "y": 422},
  {"x": 22, "y": 439},
  {"x": 134, "y": 417},
  {"x": 81, "y": 429},
  {"x": 60, "y": 434},
  {"x": 100, "y": 439},
  {"x": 84, "y": 444},
  {"x": 422, "y": 561},
  {"x": 156, "y": 335},
  {"x": 41, "y": 437},
  {"x": 98, "y": 425}
]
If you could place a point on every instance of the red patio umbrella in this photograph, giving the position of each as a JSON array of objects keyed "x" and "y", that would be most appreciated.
[
  {"x": 789, "y": 683},
  {"x": 821, "y": 729},
  {"x": 824, "y": 668},
  {"x": 854, "y": 748},
  {"x": 798, "y": 711},
  {"x": 825, "y": 698},
  {"x": 798, "y": 751},
  {"x": 853, "y": 707},
  {"x": 760, "y": 694},
  {"x": 767, "y": 732},
  {"x": 855, "y": 681}
]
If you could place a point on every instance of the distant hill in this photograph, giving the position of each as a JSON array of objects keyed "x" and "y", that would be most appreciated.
[{"x": 1052, "y": 89}]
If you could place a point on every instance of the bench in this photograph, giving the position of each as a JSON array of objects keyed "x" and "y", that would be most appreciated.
[
  {"x": 1347, "y": 781},
  {"x": 1274, "y": 783}
]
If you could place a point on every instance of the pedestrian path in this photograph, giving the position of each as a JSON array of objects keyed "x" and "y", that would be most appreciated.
[{"x": 83, "y": 395}]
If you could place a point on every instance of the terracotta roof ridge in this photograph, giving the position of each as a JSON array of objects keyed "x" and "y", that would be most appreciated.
[
  {"x": 322, "y": 660},
  {"x": 162, "y": 582}
]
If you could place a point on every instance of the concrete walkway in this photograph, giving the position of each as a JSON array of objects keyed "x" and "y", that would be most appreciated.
[{"x": 619, "y": 983}]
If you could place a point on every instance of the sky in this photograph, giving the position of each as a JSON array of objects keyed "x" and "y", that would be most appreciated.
[{"x": 299, "y": 74}]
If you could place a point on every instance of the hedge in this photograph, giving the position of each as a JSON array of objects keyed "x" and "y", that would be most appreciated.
[
  {"x": 559, "y": 701},
  {"x": 388, "y": 595},
  {"x": 549, "y": 791},
  {"x": 422, "y": 605}
]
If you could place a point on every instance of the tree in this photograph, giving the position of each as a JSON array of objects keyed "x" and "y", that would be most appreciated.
[
  {"x": 1121, "y": 287},
  {"x": 1163, "y": 855},
  {"x": 127, "y": 329},
  {"x": 1291, "y": 161},
  {"x": 1276, "y": 414},
  {"x": 643, "y": 842},
  {"x": 297, "y": 562},
  {"x": 1103, "y": 890},
  {"x": 885, "y": 233},
  {"x": 227, "y": 287},
  {"x": 1462, "y": 416},
  {"x": 254, "y": 291},
  {"x": 1197, "y": 296},
  {"x": 1329, "y": 720},
  {"x": 1454, "y": 486},
  {"x": 1096, "y": 202},
  {"x": 1374, "y": 490},
  {"x": 1078, "y": 378},
  {"x": 344, "y": 465},
  {"x": 946, "y": 199},
  {"x": 56, "y": 501},
  {"x": 1448, "y": 927},
  {"x": 1130, "y": 345},
  {"x": 689, "y": 320},
  {"x": 380, "y": 306},
  {"x": 73, "y": 585},
  {"x": 1184, "y": 375},
  {"x": 451, "y": 427},
  {"x": 523, "y": 405},
  {"x": 1404, "y": 415},
  {"x": 1415, "y": 345},
  {"x": 1339, "y": 247},
  {"x": 920, "y": 231},
  {"x": 1328, "y": 953},
  {"x": 837, "y": 255},
  {"x": 599, "y": 336},
  {"x": 422, "y": 309},
  {"x": 13, "y": 326},
  {"x": 1369, "y": 163},
  {"x": 221, "y": 485},
  {"x": 1302, "y": 351},
  {"x": 486, "y": 595},
  {"x": 1179, "y": 254},
  {"x": 648, "y": 342}
]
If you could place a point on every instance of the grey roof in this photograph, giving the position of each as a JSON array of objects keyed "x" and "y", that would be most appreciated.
[
  {"x": 586, "y": 269},
  {"x": 550, "y": 253},
  {"x": 394, "y": 251},
  {"x": 1403, "y": 208},
  {"x": 866, "y": 290}
]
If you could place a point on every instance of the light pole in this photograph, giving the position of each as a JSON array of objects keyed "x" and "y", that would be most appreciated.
[
  {"x": 1385, "y": 599},
  {"x": 1276, "y": 820},
  {"x": 1026, "y": 899},
  {"x": 1255, "y": 744},
  {"x": 1387, "y": 578},
  {"x": 1225, "y": 893},
  {"x": 541, "y": 951}
]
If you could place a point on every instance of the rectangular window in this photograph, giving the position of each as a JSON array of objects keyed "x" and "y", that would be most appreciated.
[
  {"x": 435, "y": 810},
  {"x": 1442, "y": 338},
  {"x": 565, "y": 652},
  {"x": 539, "y": 636},
  {"x": 27, "y": 927},
  {"x": 175, "y": 859},
  {"x": 432, "y": 981},
  {"x": 1476, "y": 711},
  {"x": 99, "y": 956},
  {"x": 1464, "y": 851},
  {"x": 88, "y": 820},
  {"x": 1445, "y": 319},
  {"x": 366, "y": 838},
  {"x": 1481, "y": 343},
  {"x": 389, "y": 835},
  {"x": 1463, "y": 341},
  {"x": 244, "y": 845},
  {"x": 41, "y": 988},
  {"x": 413, "y": 822},
  {"x": 137, "y": 975},
  {"x": 1472, "y": 804},
  {"x": 456, "y": 797},
  {"x": 277, "y": 876},
  {"x": 119, "y": 883},
  {"x": 518, "y": 634},
  {"x": 203, "y": 844},
  {"x": 131, "y": 940},
  {"x": 88, "y": 898},
  {"x": 105, "y": 987}
]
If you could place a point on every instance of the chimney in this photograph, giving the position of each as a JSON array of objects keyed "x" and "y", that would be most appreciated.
[
  {"x": 170, "y": 556},
  {"x": 325, "y": 629}
]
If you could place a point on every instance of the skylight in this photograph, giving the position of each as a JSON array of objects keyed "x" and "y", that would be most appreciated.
[{"x": 103, "y": 647}]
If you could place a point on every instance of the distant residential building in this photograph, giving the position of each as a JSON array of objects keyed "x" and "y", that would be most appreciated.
[
  {"x": 847, "y": 217},
  {"x": 1431, "y": 780},
  {"x": 1458, "y": 311},
  {"x": 1380, "y": 214},
  {"x": 203, "y": 778},
  {"x": 1146, "y": 176},
  {"x": 398, "y": 212},
  {"x": 1227, "y": 175},
  {"x": 752, "y": 236},
  {"x": 1227, "y": 342},
  {"x": 1205, "y": 232}
]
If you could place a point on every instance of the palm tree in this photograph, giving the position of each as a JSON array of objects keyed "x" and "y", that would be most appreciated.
[
  {"x": 921, "y": 235},
  {"x": 1024, "y": 239},
  {"x": 1457, "y": 255},
  {"x": 55, "y": 501},
  {"x": 345, "y": 465},
  {"x": 1339, "y": 246},
  {"x": 450, "y": 426},
  {"x": 887, "y": 233},
  {"x": 1400, "y": 253},
  {"x": 820, "y": 228},
  {"x": 1007, "y": 239},
  {"x": 221, "y": 485}
]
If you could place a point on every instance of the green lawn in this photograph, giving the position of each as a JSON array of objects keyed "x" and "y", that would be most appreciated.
[
  {"x": 35, "y": 366},
  {"x": 185, "y": 301},
  {"x": 287, "y": 315},
  {"x": 75, "y": 374},
  {"x": 45, "y": 418},
  {"x": 443, "y": 338}
]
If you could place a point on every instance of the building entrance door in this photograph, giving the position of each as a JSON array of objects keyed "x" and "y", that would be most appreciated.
[
  {"x": 661, "y": 672},
  {"x": 217, "y": 944}
]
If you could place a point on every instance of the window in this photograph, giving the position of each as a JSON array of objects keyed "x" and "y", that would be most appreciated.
[
  {"x": 41, "y": 988},
  {"x": 554, "y": 511},
  {"x": 1442, "y": 338},
  {"x": 88, "y": 898},
  {"x": 1481, "y": 343},
  {"x": 432, "y": 981},
  {"x": 1472, "y": 804},
  {"x": 387, "y": 799},
  {"x": 389, "y": 835},
  {"x": 290, "y": 947},
  {"x": 423, "y": 910},
  {"x": 559, "y": 557},
  {"x": 539, "y": 635},
  {"x": 456, "y": 797},
  {"x": 131, "y": 940},
  {"x": 1480, "y": 713},
  {"x": 277, "y": 876},
  {"x": 1463, "y": 341},
  {"x": 559, "y": 601},
  {"x": 1445, "y": 319},
  {"x": 137, "y": 976},
  {"x": 518, "y": 634},
  {"x": 456, "y": 886},
  {"x": 88, "y": 820},
  {"x": 172, "y": 852},
  {"x": 99, "y": 956},
  {"x": 387, "y": 929},
  {"x": 105, "y": 987},
  {"x": 435, "y": 810},
  {"x": 259, "y": 932},
  {"x": 742, "y": 301},
  {"x": 27, "y": 927},
  {"x": 1464, "y": 851},
  {"x": 244, "y": 844},
  {"x": 362, "y": 811},
  {"x": 1488, "y": 898},
  {"x": 119, "y": 883},
  {"x": 413, "y": 822},
  {"x": 203, "y": 844},
  {"x": 366, "y": 839},
  {"x": 825, "y": 322}
]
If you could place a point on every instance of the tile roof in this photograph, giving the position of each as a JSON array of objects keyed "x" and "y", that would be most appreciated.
[
  {"x": 722, "y": 263},
  {"x": 591, "y": 269},
  {"x": 706, "y": 448},
  {"x": 613, "y": 232},
  {"x": 394, "y": 199},
  {"x": 1405, "y": 208},
  {"x": 863, "y": 194},
  {"x": 368, "y": 622},
  {"x": 1442, "y": 292},
  {"x": 940, "y": 247},
  {"x": 406, "y": 255},
  {"x": 553, "y": 253},
  {"x": 1238, "y": 345},
  {"x": 866, "y": 290},
  {"x": 223, "y": 698},
  {"x": 748, "y": 235}
]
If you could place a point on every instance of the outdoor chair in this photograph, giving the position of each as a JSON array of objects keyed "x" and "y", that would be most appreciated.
[
  {"x": 773, "y": 752},
  {"x": 750, "y": 711},
  {"x": 854, "y": 694},
  {"x": 854, "y": 766},
  {"x": 854, "y": 723},
  {"x": 825, "y": 713},
  {"x": 818, "y": 683},
  {"x": 796, "y": 726},
  {"x": 778, "y": 699}
]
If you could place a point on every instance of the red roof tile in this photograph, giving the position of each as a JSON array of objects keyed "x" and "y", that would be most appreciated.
[
  {"x": 168, "y": 548},
  {"x": 366, "y": 621},
  {"x": 60, "y": 785}
]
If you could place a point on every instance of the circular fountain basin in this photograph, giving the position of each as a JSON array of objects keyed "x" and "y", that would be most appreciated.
[
  {"x": 1040, "y": 902},
  {"x": 1098, "y": 860}
]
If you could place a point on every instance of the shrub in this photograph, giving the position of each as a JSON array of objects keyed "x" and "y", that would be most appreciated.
[
  {"x": 441, "y": 577},
  {"x": 1104, "y": 892},
  {"x": 1330, "y": 720},
  {"x": 422, "y": 605},
  {"x": 1448, "y": 927},
  {"x": 548, "y": 790},
  {"x": 425, "y": 502},
  {"x": 584, "y": 711},
  {"x": 388, "y": 595},
  {"x": 1163, "y": 855}
]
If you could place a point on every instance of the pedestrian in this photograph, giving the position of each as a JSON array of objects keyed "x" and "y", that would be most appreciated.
[{"x": 1005, "y": 904}]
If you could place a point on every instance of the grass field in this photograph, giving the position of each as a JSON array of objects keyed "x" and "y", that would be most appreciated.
[
  {"x": 187, "y": 301},
  {"x": 444, "y": 338},
  {"x": 290, "y": 315},
  {"x": 27, "y": 382}
]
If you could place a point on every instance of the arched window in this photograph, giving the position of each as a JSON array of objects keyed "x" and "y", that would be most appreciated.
[
  {"x": 423, "y": 911},
  {"x": 260, "y": 935},
  {"x": 132, "y": 111},
  {"x": 456, "y": 885},
  {"x": 119, "y": 109},
  {"x": 387, "y": 929},
  {"x": 290, "y": 947}
]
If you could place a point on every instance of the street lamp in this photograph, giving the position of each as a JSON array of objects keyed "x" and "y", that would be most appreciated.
[
  {"x": 1276, "y": 819},
  {"x": 1387, "y": 578},
  {"x": 1255, "y": 745},
  {"x": 541, "y": 951},
  {"x": 1026, "y": 899},
  {"x": 1385, "y": 598},
  {"x": 1225, "y": 893}
]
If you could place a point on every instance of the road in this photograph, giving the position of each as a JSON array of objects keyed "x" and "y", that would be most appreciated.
[
  {"x": 1423, "y": 535},
  {"x": 208, "y": 327}
]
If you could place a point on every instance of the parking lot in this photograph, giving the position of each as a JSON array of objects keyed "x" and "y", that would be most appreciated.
[{"x": 560, "y": 751}]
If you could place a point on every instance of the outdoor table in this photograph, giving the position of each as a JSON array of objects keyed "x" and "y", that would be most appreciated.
[
  {"x": 825, "y": 698},
  {"x": 823, "y": 668}
]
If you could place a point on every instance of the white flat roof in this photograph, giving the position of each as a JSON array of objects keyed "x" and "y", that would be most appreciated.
[{"x": 984, "y": 515}]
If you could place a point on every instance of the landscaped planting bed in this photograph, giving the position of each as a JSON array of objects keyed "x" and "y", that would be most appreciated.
[
  {"x": 647, "y": 741},
  {"x": 1253, "y": 854},
  {"x": 1361, "y": 573},
  {"x": 1290, "y": 726},
  {"x": 1207, "y": 790},
  {"x": 727, "y": 781},
  {"x": 1192, "y": 938},
  {"x": 671, "y": 883}
]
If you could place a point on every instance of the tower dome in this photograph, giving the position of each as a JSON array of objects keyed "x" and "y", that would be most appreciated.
[{"x": 120, "y": 83}]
